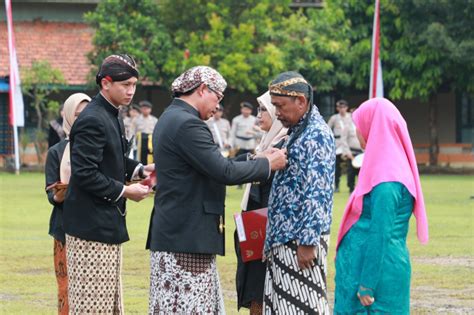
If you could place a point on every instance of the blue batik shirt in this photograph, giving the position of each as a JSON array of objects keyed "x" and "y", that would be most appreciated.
[{"x": 301, "y": 199}]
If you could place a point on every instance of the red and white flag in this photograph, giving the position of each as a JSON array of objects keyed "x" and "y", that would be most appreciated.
[
  {"x": 376, "y": 82},
  {"x": 17, "y": 116}
]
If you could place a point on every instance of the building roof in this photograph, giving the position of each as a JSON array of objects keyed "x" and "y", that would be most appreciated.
[{"x": 64, "y": 45}]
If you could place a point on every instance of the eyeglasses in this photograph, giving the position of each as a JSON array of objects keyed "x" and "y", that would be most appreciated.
[
  {"x": 219, "y": 95},
  {"x": 261, "y": 109}
]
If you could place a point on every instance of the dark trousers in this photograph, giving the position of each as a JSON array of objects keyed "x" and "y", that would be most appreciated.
[
  {"x": 351, "y": 176},
  {"x": 338, "y": 169}
]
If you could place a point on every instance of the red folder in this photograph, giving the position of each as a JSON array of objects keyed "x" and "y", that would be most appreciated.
[
  {"x": 150, "y": 181},
  {"x": 251, "y": 229}
]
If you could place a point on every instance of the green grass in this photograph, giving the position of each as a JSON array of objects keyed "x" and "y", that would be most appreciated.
[{"x": 27, "y": 282}]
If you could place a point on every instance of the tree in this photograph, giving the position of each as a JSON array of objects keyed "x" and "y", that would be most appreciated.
[
  {"x": 426, "y": 46},
  {"x": 132, "y": 27},
  {"x": 249, "y": 41},
  {"x": 39, "y": 82}
]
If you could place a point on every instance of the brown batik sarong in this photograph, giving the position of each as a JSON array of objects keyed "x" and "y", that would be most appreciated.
[
  {"x": 183, "y": 283},
  {"x": 95, "y": 284},
  {"x": 61, "y": 276}
]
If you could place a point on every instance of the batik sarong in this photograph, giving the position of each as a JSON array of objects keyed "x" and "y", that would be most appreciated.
[
  {"x": 183, "y": 283},
  {"x": 290, "y": 290},
  {"x": 95, "y": 285},
  {"x": 60, "y": 269}
]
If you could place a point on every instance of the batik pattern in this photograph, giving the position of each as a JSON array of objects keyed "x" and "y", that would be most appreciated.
[
  {"x": 95, "y": 285},
  {"x": 60, "y": 269},
  {"x": 183, "y": 283},
  {"x": 290, "y": 290},
  {"x": 301, "y": 199}
]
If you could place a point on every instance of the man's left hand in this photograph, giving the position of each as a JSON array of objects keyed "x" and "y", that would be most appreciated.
[{"x": 306, "y": 254}]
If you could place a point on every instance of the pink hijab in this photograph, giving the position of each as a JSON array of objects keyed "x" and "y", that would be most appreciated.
[{"x": 389, "y": 157}]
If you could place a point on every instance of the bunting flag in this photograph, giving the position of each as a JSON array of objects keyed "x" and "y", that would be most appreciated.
[
  {"x": 376, "y": 82},
  {"x": 17, "y": 115}
]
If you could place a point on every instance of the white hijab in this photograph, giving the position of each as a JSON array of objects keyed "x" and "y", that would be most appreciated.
[
  {"x": 276, "y": 133},
  {"x": 70, "y": 108}
]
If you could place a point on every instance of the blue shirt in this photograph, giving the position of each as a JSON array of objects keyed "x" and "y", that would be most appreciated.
[{"x": 301, "y": 199}]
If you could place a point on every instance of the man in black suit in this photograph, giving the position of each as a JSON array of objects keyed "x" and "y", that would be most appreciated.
[
  {"x": 187, "y": 224},
  {"x": 94, "y": 208}
]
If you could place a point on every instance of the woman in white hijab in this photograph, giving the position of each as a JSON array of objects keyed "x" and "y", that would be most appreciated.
[
  {"x": 250, "y": 276},
  {"x": 58, "y": 171}
]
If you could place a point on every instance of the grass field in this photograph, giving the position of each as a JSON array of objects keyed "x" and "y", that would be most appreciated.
[{"x": 443, "y": 270}]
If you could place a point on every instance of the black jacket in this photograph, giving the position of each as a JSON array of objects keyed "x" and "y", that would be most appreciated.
[
  {"x": 192, "y": 174},
  {"x": 51, "y": 171},
  {"x": 99, "y": 169}
]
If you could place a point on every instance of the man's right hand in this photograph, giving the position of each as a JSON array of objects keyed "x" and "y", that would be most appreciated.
[
  {"x": 136, "y": 192},
  {"x": 277, "y": 159}
]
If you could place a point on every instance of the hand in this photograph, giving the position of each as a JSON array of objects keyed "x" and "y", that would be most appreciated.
[
  {"x": 350, "y": 156},
  {"x": 148, "y": 169},
  {"x": 277, "y": 159},
  {"x": 136, "y": 192},
  {"x": 264, "y": 154},
  {"x": 306, "y": 254},
  {"x": 59, "y": 195},
  {"x": 366, "y": 300}
]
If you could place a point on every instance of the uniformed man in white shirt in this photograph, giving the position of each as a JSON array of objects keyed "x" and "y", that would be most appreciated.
[
  {"x": 220, "y": 128},
  {"x": 338, "y": 123},
  {"x": 144, "y": 125},
  {"x": 244, "y": 130}
]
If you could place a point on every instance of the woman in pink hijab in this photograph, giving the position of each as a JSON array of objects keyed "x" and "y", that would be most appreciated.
[
  {"x": 372, "y": 262},
  {"x": 58, "y": 170}
]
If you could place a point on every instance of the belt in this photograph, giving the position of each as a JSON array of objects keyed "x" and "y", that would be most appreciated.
[{"x": 244, "y": 138}]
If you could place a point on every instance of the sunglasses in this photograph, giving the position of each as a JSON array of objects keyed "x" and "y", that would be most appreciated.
[
  {"x": 261, "y": 109},
  {"x": 219, "y": 95}
]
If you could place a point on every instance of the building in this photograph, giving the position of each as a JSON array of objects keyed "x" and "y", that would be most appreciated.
[{"x": 54, "y": 30}]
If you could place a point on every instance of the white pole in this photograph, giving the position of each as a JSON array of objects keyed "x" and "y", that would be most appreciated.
[{"x": 17, "y": 153}]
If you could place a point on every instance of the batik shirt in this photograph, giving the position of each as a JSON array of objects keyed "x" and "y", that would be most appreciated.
[{"x": 301, "y": 199}]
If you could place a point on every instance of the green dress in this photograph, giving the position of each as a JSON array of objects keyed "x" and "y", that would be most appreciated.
[{"x": 373, "y": 258}]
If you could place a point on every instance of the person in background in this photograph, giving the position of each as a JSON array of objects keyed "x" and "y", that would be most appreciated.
[
  {"x": 250, "y": 276},
  {"x": 243, "y": 130},
  {"x": 187, "y": 224},
  {"x": 144, "y": 125},
  {"x": 129, "y": 122},
  {"x": 220, "y": 128},
  {"x": 338, "y": 123},
  {"x": 300, "y": 204},
  {"x": 350, "y": 148},
  {"x": 58, "y": 169},
  {"x": 372, "y": 261},
  {"x": 95, "y": 203},
  {"x": 56, "y": 132}
]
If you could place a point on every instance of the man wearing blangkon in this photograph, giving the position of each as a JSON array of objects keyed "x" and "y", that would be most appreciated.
[
  {"x": 187, "y": 224},
  {"x": 94, "y": 208},
  {"x": 300, "y": 205}
]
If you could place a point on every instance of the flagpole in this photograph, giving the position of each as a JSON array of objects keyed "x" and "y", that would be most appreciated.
[{"x": 375, "y": 62}]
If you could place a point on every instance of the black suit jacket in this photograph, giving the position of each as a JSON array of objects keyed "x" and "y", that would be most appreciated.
[
  {"x": 192, "y": 174},
  {"x": 99, "y": 169},
  {"x": 51, "y": 171}
]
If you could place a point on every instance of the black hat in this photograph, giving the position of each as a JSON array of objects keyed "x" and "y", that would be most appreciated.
[
  {"x": 117, "y": 68},
  {"x": 146, "y": 104},
  {"x": 134, "y": 106},
  {"x": 246, "y": 104}
]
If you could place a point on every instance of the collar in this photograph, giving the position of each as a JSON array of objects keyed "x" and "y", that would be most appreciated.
[
  {"x": 298, "y": 125},
  {"x": 186, "y": 106},
  {"x": 108, "y": 105}
]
